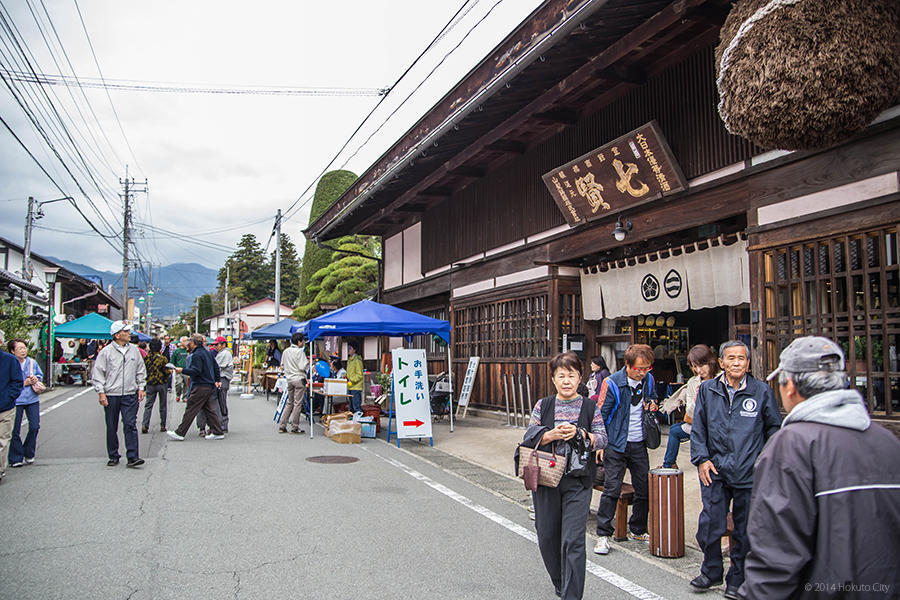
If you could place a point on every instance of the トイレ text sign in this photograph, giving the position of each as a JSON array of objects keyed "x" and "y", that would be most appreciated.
[{"x": 411, "y": 399}]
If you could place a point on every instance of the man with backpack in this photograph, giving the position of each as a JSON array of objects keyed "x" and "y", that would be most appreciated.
[{"x": 623, "y": 397}]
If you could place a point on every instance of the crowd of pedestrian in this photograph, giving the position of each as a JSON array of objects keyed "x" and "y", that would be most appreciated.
[{"x": 814, "y": 499}]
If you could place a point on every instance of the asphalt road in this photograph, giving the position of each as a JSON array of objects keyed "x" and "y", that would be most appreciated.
[{"x": 249, "y": 517}]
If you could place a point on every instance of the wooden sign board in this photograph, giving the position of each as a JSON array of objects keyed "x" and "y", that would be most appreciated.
[
  {"x": 636, "y": 167},
  {"x": 466, "y": 390}
]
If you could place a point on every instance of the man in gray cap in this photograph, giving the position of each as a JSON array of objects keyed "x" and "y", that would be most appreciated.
[
  {"x": 119, "y": 377},
  {"x": 825, "y": 510}
]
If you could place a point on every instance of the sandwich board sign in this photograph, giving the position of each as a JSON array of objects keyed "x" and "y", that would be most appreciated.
[
  {"x": 466, "y": 390},
  {"x": 411, "y": 399}
]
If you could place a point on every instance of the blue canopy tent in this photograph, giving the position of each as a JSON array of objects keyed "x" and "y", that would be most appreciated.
[
  {"x": 368, "y": 318},
  {"x": 281, "y": 330},
  {"x": 91, "y": 326},
  {"x": 141, "y": 336}
]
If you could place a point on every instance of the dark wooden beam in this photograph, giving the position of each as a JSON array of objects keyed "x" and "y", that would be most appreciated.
[
  {"x": 502, "y": 145},
  {"x": 566, "y": 116},
  {"x": 624, "y": 74},
  {"x": 464, "y": 171},
  {"x": 436, "y": 191}
]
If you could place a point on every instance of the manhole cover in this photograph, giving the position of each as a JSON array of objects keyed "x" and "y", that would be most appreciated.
[{"x": 333, "y": 460}]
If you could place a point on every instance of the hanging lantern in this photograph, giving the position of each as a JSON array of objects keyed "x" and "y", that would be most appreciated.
[{"x": 807, "y": 74}]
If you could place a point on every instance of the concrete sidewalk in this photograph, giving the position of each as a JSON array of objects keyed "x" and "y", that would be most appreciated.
[{"x": 480, "y": 449}]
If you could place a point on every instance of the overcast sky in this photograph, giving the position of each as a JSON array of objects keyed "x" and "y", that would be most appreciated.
[{"x": 219, "y": 161}]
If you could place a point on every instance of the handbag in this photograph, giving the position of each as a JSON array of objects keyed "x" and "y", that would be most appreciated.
[
  {"x": 546, "y": 467},
  {"x": 38, "y": 386},
  {"x": 651, "y": 429},
  {"x": 580, "y": 455}
]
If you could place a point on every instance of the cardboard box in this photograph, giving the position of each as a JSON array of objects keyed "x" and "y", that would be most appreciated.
[
  {"x": 342, "y": 416},
  {"x": 345, "y": 432},
  {"x": 336, "y": 386}
]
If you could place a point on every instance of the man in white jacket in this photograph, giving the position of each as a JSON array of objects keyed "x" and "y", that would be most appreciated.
[
  {"x": 294, "y": 362},
  {"x": 119, "y": 377}
]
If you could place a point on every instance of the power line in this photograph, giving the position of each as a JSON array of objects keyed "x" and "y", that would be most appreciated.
[
  {"x": 185, "y": 88},
  {"x": 454, "y": 20}
]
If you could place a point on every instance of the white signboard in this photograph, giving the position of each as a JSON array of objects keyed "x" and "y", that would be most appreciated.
[
  {"x": 411, "y": 400},
  {"x": 466, "y": 390}
]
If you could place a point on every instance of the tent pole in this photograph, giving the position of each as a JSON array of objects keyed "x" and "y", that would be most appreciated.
[
  {"x": 309, "y": 394},
  {"x": 450, "y": 380}
]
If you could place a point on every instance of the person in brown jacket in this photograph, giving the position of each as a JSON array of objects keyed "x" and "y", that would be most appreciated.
[{"x": 825, "y": 510}]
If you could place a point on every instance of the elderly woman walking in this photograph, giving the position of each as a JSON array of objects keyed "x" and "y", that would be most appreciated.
[
  {"x": 561, "y": 512},
  {"x": 27, "y": 404}
]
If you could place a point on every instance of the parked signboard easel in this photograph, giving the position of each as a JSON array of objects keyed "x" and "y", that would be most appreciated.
[
  {"x": 409, "y": 395},
  {"x": 466, "y": 390}
]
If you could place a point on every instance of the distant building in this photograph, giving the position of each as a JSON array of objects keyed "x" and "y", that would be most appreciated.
[{"x": 249, "y": 317}]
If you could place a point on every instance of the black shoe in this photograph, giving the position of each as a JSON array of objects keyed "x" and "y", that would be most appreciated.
[
  {"x": 145, "y": 429},
  {"x": 702, "y": 582},
  {"x": 135, "y": 463},
  {"x": 298, "y": 431},
  {"x": 731, "y": 592},
  {"x": 112, "y": 462}
]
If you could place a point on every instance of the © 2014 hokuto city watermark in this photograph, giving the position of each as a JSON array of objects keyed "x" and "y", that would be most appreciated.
[{"x": 847, "y": 586}]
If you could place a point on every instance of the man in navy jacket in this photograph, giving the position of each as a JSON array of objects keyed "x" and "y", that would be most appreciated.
[
  {"x": 733, "y": 417},
  {"x": 10, "y": 388},
  {"x": 204, "y": 373},
  {"x": 624, "y": 396}
]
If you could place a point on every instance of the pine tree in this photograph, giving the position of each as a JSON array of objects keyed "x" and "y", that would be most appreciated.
[
  {"x": 348, "y": 277},
  {"x": 204, "y": 311},
  {"x": 329, "y": 189},
  {"x": 249, "y": 273},
  {"x": 290, "y": 271}
]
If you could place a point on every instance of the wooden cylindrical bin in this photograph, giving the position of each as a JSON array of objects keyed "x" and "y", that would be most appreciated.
[{"x": 666, "y": 519}]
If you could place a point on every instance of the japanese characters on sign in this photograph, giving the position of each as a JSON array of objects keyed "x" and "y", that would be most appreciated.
[
  {"x": 411, "y": 398},
  {"x": 636, "y": 167}
]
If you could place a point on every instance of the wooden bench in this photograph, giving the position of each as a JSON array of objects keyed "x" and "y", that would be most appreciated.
[{"x": 626, "y": 497}]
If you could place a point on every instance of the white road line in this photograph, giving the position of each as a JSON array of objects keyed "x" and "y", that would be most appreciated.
[
  {"x": 605, "y": 574},
  {"x": 60, "y": 403}
]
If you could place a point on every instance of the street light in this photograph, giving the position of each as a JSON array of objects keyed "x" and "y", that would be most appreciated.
[{"x": 50, "y": 277}]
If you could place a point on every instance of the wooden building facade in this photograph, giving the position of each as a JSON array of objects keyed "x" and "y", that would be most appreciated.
[{"x": 471, "y": 232}]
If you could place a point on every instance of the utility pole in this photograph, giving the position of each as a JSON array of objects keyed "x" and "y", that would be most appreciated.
[
  {"x": 129, "y": 186},
  {"x": 149, "y": 301},
  {"x": 29, "y": 226},
  {"x": 33, "y": 214},
  {"x": 197, "y": 318},
  {"x": 278, "y": 266},
  {"x": 227, "y": 306}
]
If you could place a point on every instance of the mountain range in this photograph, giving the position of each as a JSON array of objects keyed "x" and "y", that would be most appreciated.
[{"x": 176, "y": 285}]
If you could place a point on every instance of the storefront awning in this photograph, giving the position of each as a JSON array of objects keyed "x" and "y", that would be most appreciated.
[{"x": 717, "y": 276}]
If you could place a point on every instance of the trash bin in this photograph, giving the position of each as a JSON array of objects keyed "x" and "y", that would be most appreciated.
[{"x": 666, "y": 518}]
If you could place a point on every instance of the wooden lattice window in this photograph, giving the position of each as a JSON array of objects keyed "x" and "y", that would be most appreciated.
[
  {"x": 435, "y": 349},
  {"x": 846, "y": 288},
  {"x": 569, "y": 316},
  {"x": 515, "y": 328}
]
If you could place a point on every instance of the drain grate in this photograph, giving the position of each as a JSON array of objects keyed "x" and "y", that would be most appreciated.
[{"x": 333, "y": 460}]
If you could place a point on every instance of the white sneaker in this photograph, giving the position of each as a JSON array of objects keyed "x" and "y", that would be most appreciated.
[
  {"x": 29, "y": 461},
  {"x": 175, "y": 436},
  {"x": 212, "y": 436},
  {"x": 602, "y": 545},
  {"x": 644, "y": 537}
]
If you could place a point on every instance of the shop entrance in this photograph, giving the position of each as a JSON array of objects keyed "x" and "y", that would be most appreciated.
[{"x": 671, "y": 335}]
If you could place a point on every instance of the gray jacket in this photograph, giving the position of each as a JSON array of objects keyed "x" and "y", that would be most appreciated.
[
  {"x": 825, "y": 509},
  {"x": 225, "y": 360},
  {"x": 119, "y": 371}
]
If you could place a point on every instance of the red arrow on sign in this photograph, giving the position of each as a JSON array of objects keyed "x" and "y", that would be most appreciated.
[{"x": 416, "y": 423}]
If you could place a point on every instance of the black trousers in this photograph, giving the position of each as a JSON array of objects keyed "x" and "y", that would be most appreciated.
[
  {"x": 203, "y": 397},
  {"x": 711, "y": 526},
  {"x": 127, "y": 406},
  {"x": 636, "y": 460},
  {"x": 560, "y": 519}
]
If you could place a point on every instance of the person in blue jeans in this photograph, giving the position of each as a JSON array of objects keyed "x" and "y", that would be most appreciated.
[
  {"x": 27, "y": 404},
  {"x": 703, "y": 362}
]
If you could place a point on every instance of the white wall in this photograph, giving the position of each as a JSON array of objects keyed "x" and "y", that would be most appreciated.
[{"x": 393, "y": 261}]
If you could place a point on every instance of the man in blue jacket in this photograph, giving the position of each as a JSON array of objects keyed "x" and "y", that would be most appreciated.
[
  {"x": 733, "y": 417},
  {"x": 201, "y": 367},
  {"x": 10, "y": 388},
  {"x": 624, "y": 396}
]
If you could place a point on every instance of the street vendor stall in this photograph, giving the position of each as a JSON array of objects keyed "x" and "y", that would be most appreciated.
[
  {"x": 368, "y": 318},
  {"x": 91, "y": 326}
]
